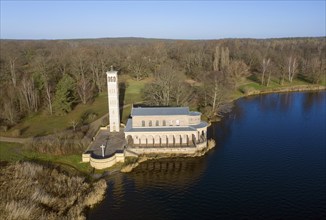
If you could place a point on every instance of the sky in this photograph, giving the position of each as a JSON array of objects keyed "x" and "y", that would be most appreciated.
[{"x": 162, "y": 19}]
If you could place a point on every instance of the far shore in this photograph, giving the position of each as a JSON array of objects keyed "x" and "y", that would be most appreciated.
[{"x": 296, "y": 88}]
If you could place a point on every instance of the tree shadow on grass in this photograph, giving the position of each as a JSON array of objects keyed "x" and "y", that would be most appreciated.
[
  {"x": 303, "y": 78},
  {"x": 254, "y": 78},
  {"x": 23, "y": 130},
  {"x": 122, "y": 92}
]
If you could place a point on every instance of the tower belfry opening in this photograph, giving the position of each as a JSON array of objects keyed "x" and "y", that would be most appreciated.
[{"x": 113, "y": 100}]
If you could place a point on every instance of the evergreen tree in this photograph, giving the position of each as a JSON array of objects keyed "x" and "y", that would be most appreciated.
[{"x": 64, "y": 95}]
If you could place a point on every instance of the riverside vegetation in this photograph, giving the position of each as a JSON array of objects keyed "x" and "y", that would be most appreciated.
[{"x": 32, "y": 191}]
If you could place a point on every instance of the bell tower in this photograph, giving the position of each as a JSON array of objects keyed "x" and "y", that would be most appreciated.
[{"x": 113, "y": 100}]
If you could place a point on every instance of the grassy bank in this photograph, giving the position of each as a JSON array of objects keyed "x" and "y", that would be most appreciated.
[
  {"x": 43, "y": 124},
  {"x": 12, "y": 152},
  {"x": 254, "y": 88}
]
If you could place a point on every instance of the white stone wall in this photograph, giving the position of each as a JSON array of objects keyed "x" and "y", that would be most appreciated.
[
  {"x": 107, "y": 162},
  {"x": 193, "y": 120},
  {"x": 113, "y": 100},
  {"x": 134, "y": 152},
  {"x": 158, "y": 121}
]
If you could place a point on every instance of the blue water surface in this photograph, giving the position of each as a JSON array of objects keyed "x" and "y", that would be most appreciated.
[{"x": 269, "y": 163}]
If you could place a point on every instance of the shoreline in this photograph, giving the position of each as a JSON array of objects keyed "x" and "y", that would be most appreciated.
[
  {"x": 299, "y": 88},
  {"x": 254, "y": 92},
  {"x": 142, "y": 158}
]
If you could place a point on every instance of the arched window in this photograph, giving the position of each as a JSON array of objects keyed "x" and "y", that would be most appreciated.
[
  {"x": 164, "y": 123},
  {"x": 177, "y": 122},
  {"x": 143, "y": 123},
  {"x": 171, "y": 122},
  {"x": 114, "y": 79},
  {"x": 150, "y": 124},
  {"x": 157, "y": 123}
]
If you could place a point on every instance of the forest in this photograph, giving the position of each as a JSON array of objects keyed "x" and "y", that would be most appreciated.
[{"x": 52, "y": 77}]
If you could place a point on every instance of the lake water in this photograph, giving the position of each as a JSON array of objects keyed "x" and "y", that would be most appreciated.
[{"x": 269, "y": 163}]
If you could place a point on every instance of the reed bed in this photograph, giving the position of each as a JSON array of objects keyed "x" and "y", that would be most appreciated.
[{"x": 33, "y": 191}]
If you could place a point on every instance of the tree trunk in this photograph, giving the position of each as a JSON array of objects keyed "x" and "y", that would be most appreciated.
[
  {"x": 216, "y": 59},
  {"x": 49, "y": 98},
  {"x": 13, "y": 72},
  {"x": 268, "y": 78},
  {"x": 265, "y": 66}
]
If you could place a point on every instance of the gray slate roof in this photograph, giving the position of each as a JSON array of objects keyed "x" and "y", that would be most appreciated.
[{"x": 150, "y": 111}]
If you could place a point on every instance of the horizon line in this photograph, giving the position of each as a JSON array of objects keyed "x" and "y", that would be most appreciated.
[{"x": 154, "y": 38}]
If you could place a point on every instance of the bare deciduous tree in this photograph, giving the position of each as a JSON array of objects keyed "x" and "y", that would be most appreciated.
[
  {"x": 265, "y": 65},
  {"x": 160, "y": 92},
  {"x": 216, "y": 62},
  {"x": 292, "y": 67},
  {"x": 74, "y": 124},
  {"x": 84, "y": 85},
  {"x": 29, "y": 93},
  {"x": 238, "y": 70}
]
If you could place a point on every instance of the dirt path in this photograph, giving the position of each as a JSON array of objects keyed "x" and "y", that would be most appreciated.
[
  {"x": 15, "y": 140},
  {"x": 93, "y": 127}
]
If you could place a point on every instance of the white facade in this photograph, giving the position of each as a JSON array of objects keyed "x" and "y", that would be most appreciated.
[
  {"x": 113, "y": 100},
  {"x": 165, "y": 127}
]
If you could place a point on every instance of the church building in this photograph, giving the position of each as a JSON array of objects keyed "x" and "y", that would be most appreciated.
[
  {"x": 165, "y": 127},
  {"x": 155, "y": 126},
  {"x": 150, "y": 130}
]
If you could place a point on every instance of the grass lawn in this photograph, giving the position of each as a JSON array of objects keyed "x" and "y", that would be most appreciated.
[
  {"x": 43, "y": 124},
  {"x": 72, "y": 161},
  {"x": 125, "y": 114},
  {"x": 14, "y": 152},
  {"x": 10, "y": 151},
  {"x": 273, "y": 84},
  {"x": 252, "y": 85},
  {"x": 134, "y": 89}
]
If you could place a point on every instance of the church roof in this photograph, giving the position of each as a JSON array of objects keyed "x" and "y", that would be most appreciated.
[{"x": 155, "y": 111}]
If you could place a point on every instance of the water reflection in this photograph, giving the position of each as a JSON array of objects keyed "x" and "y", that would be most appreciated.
[
  {"x": 156, "y": 177},
  {"x": 275, "y": 102},
  {"x": 172, "y": 172},
  {"x": 313, "y": 98}
]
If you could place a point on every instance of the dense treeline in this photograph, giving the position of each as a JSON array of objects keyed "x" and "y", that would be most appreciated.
[{"x": 54, "y": 76}]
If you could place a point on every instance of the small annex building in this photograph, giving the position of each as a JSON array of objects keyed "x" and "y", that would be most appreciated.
[{"x": 165, "y": 127}]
